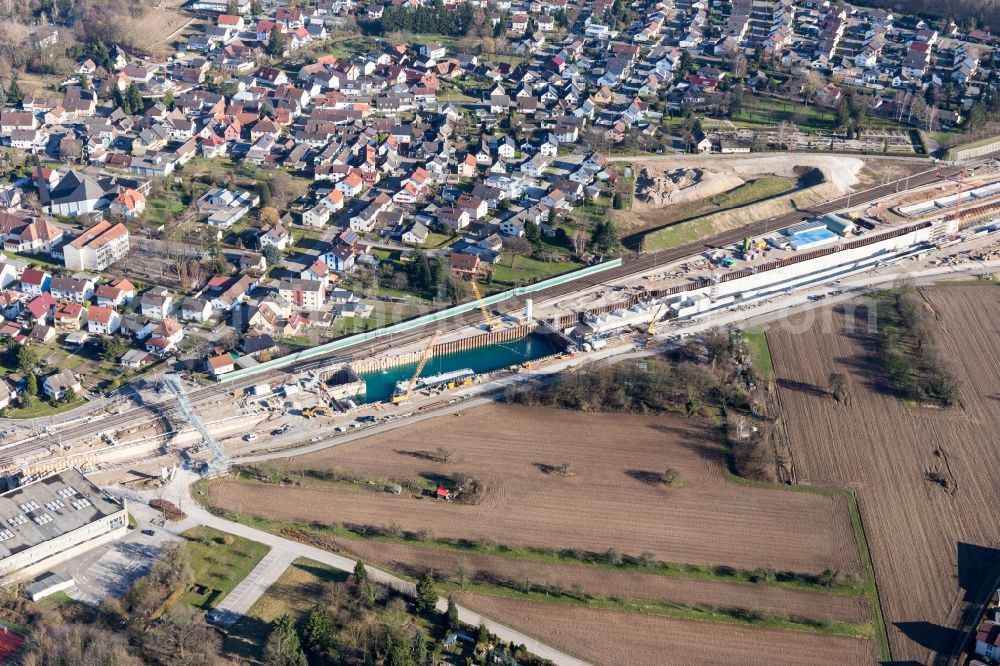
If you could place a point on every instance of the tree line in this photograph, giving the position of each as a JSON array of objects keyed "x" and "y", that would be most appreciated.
[
  {"x": 433, "y": 19},
  {"x": 968, "y": 14}
]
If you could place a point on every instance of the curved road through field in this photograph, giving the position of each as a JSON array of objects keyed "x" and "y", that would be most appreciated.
[{"x": 286, "y": 550}]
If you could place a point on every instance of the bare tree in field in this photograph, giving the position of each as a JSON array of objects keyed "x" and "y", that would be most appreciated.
[{"x": 838, "y": 386}]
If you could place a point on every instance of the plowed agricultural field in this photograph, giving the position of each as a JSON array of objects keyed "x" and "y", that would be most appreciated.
[
  {"x": 929, "y": 544},
  {"x": 604, "y": 504},
  {"x": 609, "y": 637}
]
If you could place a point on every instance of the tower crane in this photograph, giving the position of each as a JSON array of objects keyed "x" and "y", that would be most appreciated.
[
  {"x": 403, "y": 397},
  {"x": 491, "y": 323}
]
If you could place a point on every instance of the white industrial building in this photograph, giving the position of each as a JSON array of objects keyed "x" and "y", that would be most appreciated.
[{"x": 53, "y": 519}]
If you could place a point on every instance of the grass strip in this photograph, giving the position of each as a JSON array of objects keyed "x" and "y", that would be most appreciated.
[{"x": 695, "y": 612}]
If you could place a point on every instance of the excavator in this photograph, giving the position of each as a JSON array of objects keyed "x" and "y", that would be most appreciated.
[
  {"x": 491, "y": 323},
  {"x": 404, "y": 396},
  {"x": 318, "y": 410}
]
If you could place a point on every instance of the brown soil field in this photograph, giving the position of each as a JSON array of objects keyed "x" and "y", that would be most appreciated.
[
  {"x": 609, "y": 637},
  {"x": 605, "y": 504},
  {"x": 930, "y": 545}
]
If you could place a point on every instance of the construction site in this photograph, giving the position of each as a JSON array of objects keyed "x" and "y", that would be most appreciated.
[{"x": 477, "y": 348}]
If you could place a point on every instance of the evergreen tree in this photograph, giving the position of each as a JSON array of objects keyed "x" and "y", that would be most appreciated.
[
  {"x": 397, "y": 652},
  {"x": 532, "y": 232},
  {"x": 275, "y": 44},
  {"x": 134, "y": 98},
  {"x": 418, "y": 648},
  {"x": 283, "y": 647},
  {"x": 32, "y": 385},
  {"x": 360, "y": 573},
  {"x": 686, "y": 63},
  {"x": 452, "y": 614},
  {"x": 121, "y": 102},
  {"x": 318, "y": 632},
  {"x": 264, "y": 191},
  {"x": 27, "y": 358},
  {"x": 426, "y": 594},
  {"x": 14, "y": 94},
  {"x": 168, "y": 100},
  {"x": 605, "y": 236},
  {"x": 483, "y": 636}
]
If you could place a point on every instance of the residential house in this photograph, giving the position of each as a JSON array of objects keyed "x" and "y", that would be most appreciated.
[
  {"x": 195, "y": 309},
  {"x": 164, "y": 338},
  {"x": 156, "y": 303},
  {"x": 56, "y": 385},
  {"x": 68, "y": 315},
  {"x": 34, "y": 281},
  {"x": 103, "y": 320},
  {"x": 308, "y": 294},
  {"x": 416, "y": 235},
  {"x": 74, "y": 290},
  {"x": 115, "y": 295},
  {"x": 276, "y": 236},
  {"x": 468, "y": 265},
  {"x": 220, "y": 365}
]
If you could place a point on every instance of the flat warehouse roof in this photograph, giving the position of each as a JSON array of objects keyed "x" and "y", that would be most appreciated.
[{"x": 48, "y": 508}]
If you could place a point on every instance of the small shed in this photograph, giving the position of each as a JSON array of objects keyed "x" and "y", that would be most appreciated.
[
  {"x": 443, "y": 492},
  {"x": 48, "y": 584}
]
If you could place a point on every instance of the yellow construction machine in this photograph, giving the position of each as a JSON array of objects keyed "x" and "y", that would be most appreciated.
[
  {"x": 318, "y": 410},
  {"x": 405, "y": 395},
  {"x": 491, "y": 323}
]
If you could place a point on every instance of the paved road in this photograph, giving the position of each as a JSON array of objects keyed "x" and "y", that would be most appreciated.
[
  {"x": 178, "y": 492},
  {"x": 634, "y": 266},
  {"x": 251, "y": 588}
]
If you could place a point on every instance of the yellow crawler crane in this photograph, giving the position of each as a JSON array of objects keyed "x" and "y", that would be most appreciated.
[
  {"x": 651, "y": 329},
  {"x": 491, "y": 323},
  {"x": 403, "y": 397}
]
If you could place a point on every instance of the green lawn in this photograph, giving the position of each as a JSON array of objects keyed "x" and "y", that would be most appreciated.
[
  {"x": 220, "y": 561},
  {"x": 435, "y": 241},
  {"x": 41, "y": 408},
  {"x": 295, "y": 592},
  {"x": 768, "y": 112},
  {"x": 686, "y": 223},
  {"x": 760, "y": 353},
  {"x": 526, "y": 270},
  {"x": 163, "y": 211}
]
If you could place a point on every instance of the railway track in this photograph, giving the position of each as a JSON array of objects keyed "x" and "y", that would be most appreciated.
[{"x": 631, "y": 267}]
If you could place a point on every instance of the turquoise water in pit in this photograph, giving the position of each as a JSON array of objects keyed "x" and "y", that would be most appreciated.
[{"x": 380, "y": 385}]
